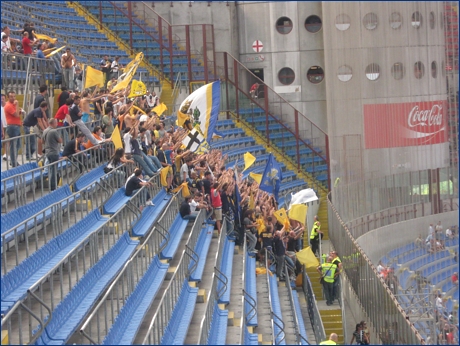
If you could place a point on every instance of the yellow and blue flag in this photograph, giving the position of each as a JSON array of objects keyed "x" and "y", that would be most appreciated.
[
  {"x": 271, "y": 179},
  {"x": 202, "y": 107}
]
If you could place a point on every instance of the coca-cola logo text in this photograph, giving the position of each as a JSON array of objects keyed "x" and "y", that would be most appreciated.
[{"x": 422, "y": 117}]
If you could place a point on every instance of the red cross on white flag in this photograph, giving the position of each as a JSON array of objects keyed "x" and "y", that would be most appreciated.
[{"x": 257, "y": 46}]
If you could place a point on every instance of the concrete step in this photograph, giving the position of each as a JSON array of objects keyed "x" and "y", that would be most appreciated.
[
  {"x": 287, "y": 313},
  {"x": 264, "y": 329}
]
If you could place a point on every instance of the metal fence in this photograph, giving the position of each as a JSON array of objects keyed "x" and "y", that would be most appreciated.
[
  {"x": 313, "y": 311},
  {"x": 214, "y": 294},
  {"x": 377, "y": 300},
  {"x": 25, "y": 74},
  {"x": 23, "y": 188},
  {"x": 99, "y": 322},
  {"x": 187, "y": 265},
  {"x": 30, "y": 234}
]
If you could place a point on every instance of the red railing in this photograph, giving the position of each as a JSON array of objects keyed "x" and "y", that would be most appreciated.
[{"x": 293, "y": 133}]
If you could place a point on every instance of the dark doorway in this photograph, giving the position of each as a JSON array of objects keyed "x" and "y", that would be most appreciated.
[{"x": 259, "y": 73}]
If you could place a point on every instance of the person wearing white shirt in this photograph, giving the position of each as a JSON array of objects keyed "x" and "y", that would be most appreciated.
[
  {"x": 438, "y": 227},
  {"x": 114, "y": 67},
  {"x": 4, "y": 43},
  {"x": 448, "y": 233},
  {"x": 4, "y": 124},
  {"x": 127, "y": 140},
  {"x": 431, "y": 229}
]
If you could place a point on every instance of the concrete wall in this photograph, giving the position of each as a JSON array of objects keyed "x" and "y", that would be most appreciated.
[
  {"x": 357, "y": 47},
  {"x": 382, "y": 240}
]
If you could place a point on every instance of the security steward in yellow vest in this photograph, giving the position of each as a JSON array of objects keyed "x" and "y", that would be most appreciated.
[
  {"x": 315, "y": 234},
  {"x": 338, "y": 262},
  {"x": 333, "y": 339},
  {"x": 327, "y": 271}
]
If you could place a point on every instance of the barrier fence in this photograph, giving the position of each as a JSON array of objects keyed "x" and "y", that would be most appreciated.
[
  {"x": 34, "y": 183},
  {"x": 22, "y": 240},
  {"x": 102, "y": 317},
  {"x": 25, "y": 148},
  {"x": 377, "y": 300},
  {"x": 312, "y": 308},
  {"x": 25, "y": 321}
]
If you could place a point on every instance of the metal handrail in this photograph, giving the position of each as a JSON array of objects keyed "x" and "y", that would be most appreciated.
[
  {"x": 222, "y": 278},
  {"x": 273, "y": 323},
  {"x": 252, "y": 302}
]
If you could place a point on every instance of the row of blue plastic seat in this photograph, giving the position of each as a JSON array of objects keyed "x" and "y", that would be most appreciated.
[
  {"x": 16, "y": 282},
  {"x": 218, "y": 328},
  {"x": 176, "y": 231},
  {"x": 201, "y": 249},
  {"x": 251, "y": 289},
  {"x": 226, "y": 268},
  {"x": 276, "y": 308},
  {"x": 13, "y": 218},
  {"x": 71, "y": 311},
  {"x": 129, "y": 320},
  {"x": 427, "y": 259},
  {"x": 19, "y": 170},
  {"x": 176, "y": 330}
]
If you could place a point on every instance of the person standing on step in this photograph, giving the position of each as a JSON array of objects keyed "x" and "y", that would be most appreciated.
[
  {"x": 315, "y": 235},
  {"x": 68, "y": 62},
  {"x": 328, "y": 272},
  {"x": 338, "y": 262},
  {"x": 53, "y": 142},
  {"x": 279, "y": 250}
]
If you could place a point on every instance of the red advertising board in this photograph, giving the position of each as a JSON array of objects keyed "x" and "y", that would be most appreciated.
[{"x": 405, "y": 124}]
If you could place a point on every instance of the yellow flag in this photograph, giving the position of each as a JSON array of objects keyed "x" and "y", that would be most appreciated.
[
  {"x": 165, "y": 171},
  {"x": 45, "y": 38},
  {"x": 281, "y": 216},
  {"x": 54, "y": 52},
  {"x": 298, "y": 212},
  {"x": 93, "y": 77},
  {"x": 306, "y": 256},
  {"x": 160, "y": 109},
  {"x": 137, "y": 89},
  {"x": 249, "y": 159},
  {"x": 252, "y": 203},
  {"x": 260, "y": 225},
  {"x": 181, "y": 118},
  {"x": 256, "y": 177},
  {"x": 116, "y": 138},
  {"x": 124, "y": 80},
  {"x": 185, "y": 190},
  {"x": 135, "y": 108}
]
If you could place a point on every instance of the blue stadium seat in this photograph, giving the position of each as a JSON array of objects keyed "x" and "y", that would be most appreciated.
[
  {"x": 14, "y": 284},
  {"x": 231, "y": 132},
  {"x": 250, "y": 338},
  {"x": 218, "y": 328},
  {"x": 16, "y": 216},
  {"x": 292, "y": 185},
  {"x": 89, "y": 178},
  {"x": 179, "y": 323},
  {"x": 150, "y": 214},
  {"x": 251, "y": 288},
  {"x": 71, "y": 311},
  {"x": 276, "y": 308},
  {"x": 240, "y": 151},
  {"x": 226, "y": 268},
  {"x": 176, "y": 231},
  {"x": 271, "y": 127},
  {"x": 256, "y": 110},
  {"x": 18, "y": 170},
  {"x": 249, "y": 141},
  {"x": 116, "y": 202},
  {"x": 225, "y": 123},
  {"x": 202, "y": 248},
  {"x": 129, "y": 320}
]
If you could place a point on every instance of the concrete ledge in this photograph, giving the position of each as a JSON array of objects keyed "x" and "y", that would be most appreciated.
[
  {"x": 170, "y": 273},
  {"x": 231, "y": 319},
  {"x": 201, "y": 297},
  {"x": 84, "y": 205}
]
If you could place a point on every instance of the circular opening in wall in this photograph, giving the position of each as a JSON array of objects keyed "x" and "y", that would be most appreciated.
[
  {"x": 397, "y": 70},
  {"x": 416, "y": 19},
  {"x": 434, "y": 69},
  {"x": 342, "y": 22},
  {"x": 284, "y": 25},
  {"x": 344, "y": 73},
  {"x": 315, "y": 74},
  {"x": 370, "y": 21},
  {"x": 373, "y": 71},
  {"x": 286, "y": 76},
  {"x": 419, "y": 70},
  {"x": 395, "y": 20},
  {"x": 432, "y": 20},
  {"x": 313, "y": 24}
]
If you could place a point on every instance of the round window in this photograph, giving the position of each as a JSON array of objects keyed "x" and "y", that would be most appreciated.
[
  {"x": 313, "y": 24},
  {"x": 372, "y": 71},
  {"x": 397, "y": 70},
  {"x": 286, "y": 76},
  {"x": 284, "y": 25},
  {"x": 416, "y": 19},
  {"x": 315, "y": 74},
  {"x": 434, "y": 69},
  {"x": 419, "y": 70},
  {"x": 370, "y": 21},
  {"x": 432, "y": 20},
  {"x": 342, "y": 22},
  {"x": 395, "y": 20},
  {"x": 344, "y": 73}
]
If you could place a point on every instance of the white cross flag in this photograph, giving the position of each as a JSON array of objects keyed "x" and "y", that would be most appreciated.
[{"x": 195, "y": 142}]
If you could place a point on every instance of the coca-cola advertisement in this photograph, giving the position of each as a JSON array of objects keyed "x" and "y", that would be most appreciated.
[{"x": 404, "y": 124}]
